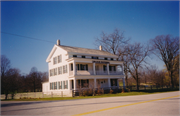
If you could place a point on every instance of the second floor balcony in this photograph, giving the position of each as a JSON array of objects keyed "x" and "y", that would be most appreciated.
[{"x": 95, "y": 69}]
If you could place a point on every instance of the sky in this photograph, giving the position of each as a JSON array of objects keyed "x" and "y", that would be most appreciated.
[{"x": 78, "y": 23}]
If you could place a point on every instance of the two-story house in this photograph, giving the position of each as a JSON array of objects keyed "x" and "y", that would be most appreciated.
[{"x": 71, "y": 68}]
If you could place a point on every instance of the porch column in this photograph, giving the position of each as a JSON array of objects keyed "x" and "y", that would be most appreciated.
[
  {"x": 74, "y": 84},
  {"x": 109, "y": 82},
  {"x": 94, "y": 70},
  {"x": 74, "y": 68},
  {"x": 108, "y": 69},
  {"x": 124, "y": 82},
  {"x": 122, "y": 66},
  {"x": 94, "y": 82}
]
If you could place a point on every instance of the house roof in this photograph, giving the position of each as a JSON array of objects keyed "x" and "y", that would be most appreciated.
[{"x": 86, "y": 51}]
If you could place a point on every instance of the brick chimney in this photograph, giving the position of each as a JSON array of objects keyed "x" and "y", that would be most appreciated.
[
  {"x": 58, "y": 42},
  {"x": 100, "y": 47}
]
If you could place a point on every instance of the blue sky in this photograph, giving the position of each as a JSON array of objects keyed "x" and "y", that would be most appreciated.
[{"x": 78, "y": 24}]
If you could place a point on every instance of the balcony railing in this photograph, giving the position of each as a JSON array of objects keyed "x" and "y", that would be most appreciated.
[
  {"x": 84, "y": 72},
  {"x": 90, "y": 72},
  {"x": 101, "y": 73},
  {"x": 115, "y": 72}
]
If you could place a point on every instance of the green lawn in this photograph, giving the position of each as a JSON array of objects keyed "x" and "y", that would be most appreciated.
[{"x": 86, "y": 97}]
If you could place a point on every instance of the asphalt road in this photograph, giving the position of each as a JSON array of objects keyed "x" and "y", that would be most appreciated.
[{"x": 161, "y": 104}]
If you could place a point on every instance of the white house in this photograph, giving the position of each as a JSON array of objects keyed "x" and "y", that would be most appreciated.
[{"x": 71, "y": 68}]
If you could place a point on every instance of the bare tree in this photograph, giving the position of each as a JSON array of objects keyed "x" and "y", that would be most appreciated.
[
  {"x": 137, "y": 56},
  {"x": 13, "y": 81},
  {"x": 44, "y": 76},
  {"x": 167, "y": 49},
  {"x": 123, "y": 56},
  {"x": 155, "y": 76},
  {"x": 34, "y": 79},
  {"x": 112, "y": 42},
  {"x": 5, "y": 66}
]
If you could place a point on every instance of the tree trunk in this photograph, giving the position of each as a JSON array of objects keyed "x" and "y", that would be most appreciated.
[
  {"x": 137, "y": 85},
  {"x": 6, "y": 95},
  {"x": 126, "y": 79},
  {"x": 172, "y": 82}
]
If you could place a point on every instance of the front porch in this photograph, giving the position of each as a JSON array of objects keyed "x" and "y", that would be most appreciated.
[{"x": 77, "y": 84}]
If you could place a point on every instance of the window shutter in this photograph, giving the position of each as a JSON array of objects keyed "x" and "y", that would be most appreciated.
[
  {"x": 86, "y": 67},
  {"x": 64, "y": 84},
  {"x": 56, "y": 85},
  {"x": 80, "y": 66},
  {"x": 67, "y": 84},
  {"x": 66, "y": 68},
  {"x": 78, "y": 82},
  {"x": 77, "y": 67},
  {"x": 61, "y": 84},
  {"x": 71, "y": 67}
]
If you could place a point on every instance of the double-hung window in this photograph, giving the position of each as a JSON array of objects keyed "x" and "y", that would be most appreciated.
[
  {"x": 55, "y": 85},
  {"x": 59, "y": 70},
  {"x": 55, "y": 71},
  {"x": 55, "y": 60},
  {"x": 59, "y": 58},
  {"x": 64, "y": 70},
  {"x": 51, "y": 73}
]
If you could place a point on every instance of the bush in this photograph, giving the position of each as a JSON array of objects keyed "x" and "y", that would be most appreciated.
[
  {"x": 85, "y": 93},
  {"x": 122, "y": 91},
  {"x": 111, "y": 91},
  {"x": 90, "y": 92}
]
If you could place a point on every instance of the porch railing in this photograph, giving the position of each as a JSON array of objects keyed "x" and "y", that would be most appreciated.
[
  {"x": 115, "y": 72},
  {"x": 90, "y": 72},
  {"x": 84, "y": 72},
  {"x": 101, "y": 72}
]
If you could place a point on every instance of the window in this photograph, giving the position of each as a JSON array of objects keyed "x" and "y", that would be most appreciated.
[
  {"x": 55, "y": 60},
  {"x": 59, "y": 58},
  {"x": 55, "y": 85},
  {"x": 112, "y": 59},
  {"x": 110, "y": 68},
  {"x": 105, "y": 59},
  {"x": 83, "y": 83},
  {"x": 51, "y": 73},
  {"x": 65, "y": 84},
  {"x": 83, "y": 67},
  {"x": 59, "y": 70},
  {"x": 104, "y": 67},
  {"x": 95, "y": 57},
  {"x": 71, "y": 67},
  {"x": 60, "y": 84},
  {"x": 97, "y": 68},
  {"x": 55, "y": 71},
  {"x": 74, "y": 55},
  {"x": 113, "y": 82},
  {"x": 65, "y": 69},
  {"x": 83, "y": 57}
]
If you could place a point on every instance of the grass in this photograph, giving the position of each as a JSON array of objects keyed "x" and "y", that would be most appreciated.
[{"x": 97, "y": 96}]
